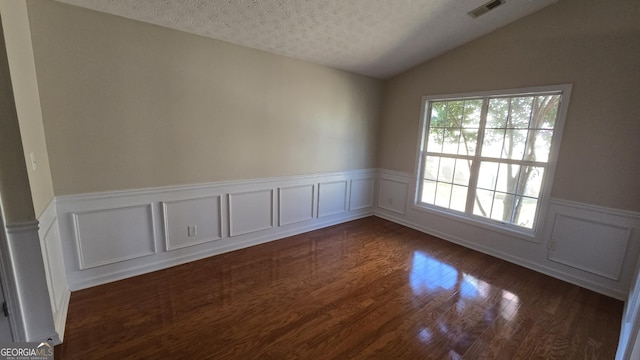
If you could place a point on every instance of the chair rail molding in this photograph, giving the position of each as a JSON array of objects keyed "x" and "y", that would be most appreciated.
[{"x": 113, "y": 235}]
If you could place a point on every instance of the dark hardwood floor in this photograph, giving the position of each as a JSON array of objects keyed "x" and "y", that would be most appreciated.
[{"x": 367, "y": 289}]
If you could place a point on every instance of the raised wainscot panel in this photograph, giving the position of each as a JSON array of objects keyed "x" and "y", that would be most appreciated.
[
  {"x": 332, "y": 198},
  {"x": 362, "y": 194},
  {"x": 250, "y": 212},
  {"x": 393, "y": 195},
  {"x": 55, "y": 266},
  {"x": 589, "y": 245},
  {"x": 191, "y": 221},
  {"x": 295, "y": 204},
  {"x": 112, "y": 235}
]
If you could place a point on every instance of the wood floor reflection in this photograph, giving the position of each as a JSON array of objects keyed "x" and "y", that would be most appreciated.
[{"x": 367, "y": 289}]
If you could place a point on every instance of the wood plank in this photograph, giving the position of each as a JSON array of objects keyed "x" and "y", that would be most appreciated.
[{"x": 360, "y": 290}]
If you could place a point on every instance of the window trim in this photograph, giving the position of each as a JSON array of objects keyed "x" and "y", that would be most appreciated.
[{"x": 533, "y": 234}]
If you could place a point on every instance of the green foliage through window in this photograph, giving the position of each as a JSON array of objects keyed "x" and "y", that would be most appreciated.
[{"x": 488, "y": 156}]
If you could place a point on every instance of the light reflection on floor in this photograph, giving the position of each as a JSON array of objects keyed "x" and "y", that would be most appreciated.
[
  {"x": 429, "y": 277},
  {"x": 510, "y": 304},
  {"x": 428, "y": 274}
]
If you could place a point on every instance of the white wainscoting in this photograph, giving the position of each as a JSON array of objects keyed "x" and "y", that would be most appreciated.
[
  {"x": 590, "y": 246},
  {"x": 29, "y": 298},
  {"x": 110, "y": 236},
  {"x": 203, "y": 214},
  {"x": 250, "y": 211},
  {"x": 393, "y": 192},
  {"x": 114, "y": 235},
  {"x": 332, "y": 198},
  {"x": 606, "y": 233},
  {"x": 51, "y": 247},
  {"x": 362, "y": 193},
  {"x": 295, "y": 204}
]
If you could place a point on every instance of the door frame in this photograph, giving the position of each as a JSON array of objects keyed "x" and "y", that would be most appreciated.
[
  {"x": 630, "y": 327},
  {"x": 8, "y": 286}
]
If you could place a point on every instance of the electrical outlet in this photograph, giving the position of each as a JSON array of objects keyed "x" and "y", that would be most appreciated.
[{"x": 192, "y": 230}]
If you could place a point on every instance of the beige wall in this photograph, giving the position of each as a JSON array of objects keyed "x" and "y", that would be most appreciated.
[
  {"x": 25, "y": 88},
  {"x": 131, "y": 105},
  {"x": 592, "y": 44},
  {"x": 17, "y": 205}
]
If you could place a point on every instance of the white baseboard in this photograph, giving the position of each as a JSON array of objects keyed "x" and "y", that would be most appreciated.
[
  {"x": 60, "y": 317},
  {"x": 589, "y": 246},
  {"x": 116, "y": 235}
]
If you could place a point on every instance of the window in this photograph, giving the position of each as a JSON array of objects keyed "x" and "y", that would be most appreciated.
[{"x": 490, "y": 156}]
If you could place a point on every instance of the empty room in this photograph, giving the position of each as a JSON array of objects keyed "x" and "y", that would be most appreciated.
[{"x": 293, "y": 179}]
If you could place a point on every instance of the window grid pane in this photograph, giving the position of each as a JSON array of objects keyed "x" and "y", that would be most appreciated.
[
  {"x": 483, "y": 203},
  {"x": 428, "y": 191},
  {"x": 517, "y": 132},
  {"x": 445, "y": 181},
  {"x": 431, "y": 166},
  {"x": 443, "y": 194}
]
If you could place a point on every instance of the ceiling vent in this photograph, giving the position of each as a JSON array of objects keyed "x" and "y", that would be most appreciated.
[{"x": 483, "y": 9}]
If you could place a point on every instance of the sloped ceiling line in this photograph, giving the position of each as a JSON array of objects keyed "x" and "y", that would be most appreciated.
[{"x": 377, "y": 38}]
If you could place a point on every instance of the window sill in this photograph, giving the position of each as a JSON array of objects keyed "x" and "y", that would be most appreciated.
[{"x": 491, "y": 225}]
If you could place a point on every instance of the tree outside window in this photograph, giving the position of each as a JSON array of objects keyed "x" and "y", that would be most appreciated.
[{"x": 488, "y": 156}]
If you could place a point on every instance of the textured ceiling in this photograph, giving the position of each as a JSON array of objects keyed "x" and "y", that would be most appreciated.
[{"x": 378, "y": 38}]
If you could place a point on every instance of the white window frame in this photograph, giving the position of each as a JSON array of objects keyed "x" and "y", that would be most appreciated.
[{"x": 512, "y": 230}]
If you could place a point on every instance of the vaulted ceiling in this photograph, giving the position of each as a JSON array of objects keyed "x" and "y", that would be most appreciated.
[{"x": 378, "y": 38}]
